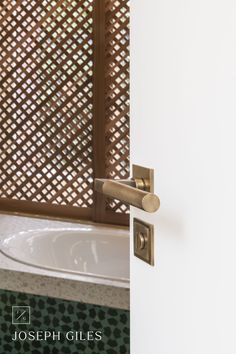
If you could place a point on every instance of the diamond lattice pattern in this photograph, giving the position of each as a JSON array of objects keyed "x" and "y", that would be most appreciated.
[
  {"x": 46, "y": 101},
  {"x": 117, "y": 94}
]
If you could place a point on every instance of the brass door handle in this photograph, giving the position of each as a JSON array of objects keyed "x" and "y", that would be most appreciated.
[{"x": 128, "y": 192}]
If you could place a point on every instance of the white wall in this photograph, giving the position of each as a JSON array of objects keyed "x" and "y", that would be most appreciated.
[{"x": 183, "y": 123}]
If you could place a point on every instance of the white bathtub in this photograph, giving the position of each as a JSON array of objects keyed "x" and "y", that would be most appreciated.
[{"x": 83, "y": 249}]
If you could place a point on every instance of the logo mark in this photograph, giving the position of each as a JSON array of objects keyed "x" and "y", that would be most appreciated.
[{"x": 21, "y": 315}]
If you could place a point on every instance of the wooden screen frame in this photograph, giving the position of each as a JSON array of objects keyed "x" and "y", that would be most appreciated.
[{"x": 98, "y": 212}]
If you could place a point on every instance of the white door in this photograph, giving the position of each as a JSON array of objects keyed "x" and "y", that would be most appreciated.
[{"x": 183, "y": 109}]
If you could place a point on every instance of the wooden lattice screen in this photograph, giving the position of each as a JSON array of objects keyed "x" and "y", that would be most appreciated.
[{"x": 64, "y": 105}]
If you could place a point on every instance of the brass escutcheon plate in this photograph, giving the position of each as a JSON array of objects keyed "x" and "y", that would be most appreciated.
[
  {"x": 143, "y": 241},
  {"x": 140, "y": 172}
]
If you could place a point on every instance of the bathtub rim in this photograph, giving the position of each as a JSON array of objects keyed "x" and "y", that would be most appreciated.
[
  {"x": 62, "y": 219},
  {"x": 70, "y": 275}
]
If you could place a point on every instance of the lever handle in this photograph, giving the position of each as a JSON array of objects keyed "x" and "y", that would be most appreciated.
[{"x": 124, "y": 191}]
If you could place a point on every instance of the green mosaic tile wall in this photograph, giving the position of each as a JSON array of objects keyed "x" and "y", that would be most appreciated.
[{"x": 61, "y": 316}]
